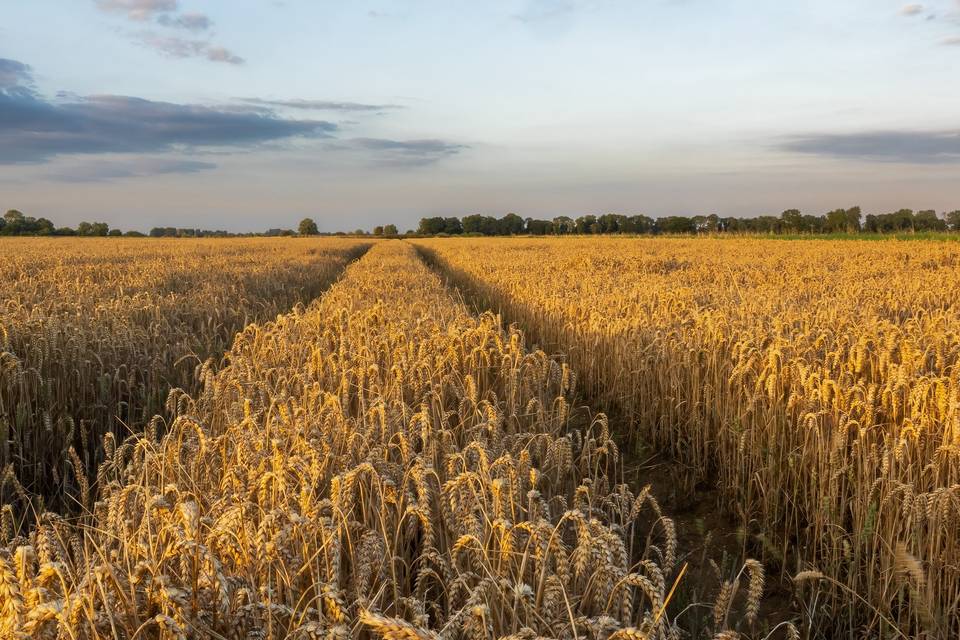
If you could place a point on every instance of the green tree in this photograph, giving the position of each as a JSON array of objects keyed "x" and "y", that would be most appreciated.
[
  {"x": 837, "y": 220},
  {"x": 378, "y": 230},
  {"x": 431, "y": 226},
  {"x": 953, "y": 219},
  {"x": 510, "y": 225},
  {"x": 390, "y": 230},
  {"x": 928, "y": 221},
  {"x": 585, "y": 224},
  {"x": 452, "y": 226},
  {"x": 308, "y": 227},
  {"x": 563, "y": 225},
  {"x": 792, "y": 220},
  {"x": 853, "y": 216}
]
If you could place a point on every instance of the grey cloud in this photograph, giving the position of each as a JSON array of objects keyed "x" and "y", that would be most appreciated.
[
  {"x": 33, "y": 129},
  {"x": 184, "y": 48},
  {"x": 409, "y": 152},
  {"x": 139, "y": 10},
  {"x": 911, "y": 10},
  {"x": 951, "y": 42},
  {"x": 322, "y": 105},
  {"x": 188, "y": 21},
  {"x": 165, "y": 14},
  {"x": 220, "y": 54},
  {"x": 13, "y": 74},
  {"x": 914, "y": 147},
  {"x": 104, "y": 171}
]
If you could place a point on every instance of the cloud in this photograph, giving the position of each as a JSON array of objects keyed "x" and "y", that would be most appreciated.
[
  {"x": 184, "y": 48},
  {"x": 911, "y": 10},
  {"x": 33, "y": 129},
  {"x": 104, "y": 171},
  {"x": 912, "y": 147},
  {"x": 220, "y": 54},
  {"x": 951, "y": 42},
  {"x": 322, "y": 105},
  {"x": 14, "y": 74},
  {"x": 408, "y": 152},
  {"x": 188, "y": 21},
  {"x": 139, "y": 10},
  {"x": 164, "y": 13}
]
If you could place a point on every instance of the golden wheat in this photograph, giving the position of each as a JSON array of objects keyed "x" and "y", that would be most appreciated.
[
  {"x": 816, "y": 384},
  {"x": 380, "y": 463},
  {"x": 94, "y": 334}
]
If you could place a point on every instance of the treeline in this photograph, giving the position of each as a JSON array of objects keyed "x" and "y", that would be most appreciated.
[
  {"x": 791, "y": 221},
  {"x": 15, "y": 223}
]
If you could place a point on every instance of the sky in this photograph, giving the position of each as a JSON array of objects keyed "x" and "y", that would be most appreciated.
[{"x": 250, "y": 114}]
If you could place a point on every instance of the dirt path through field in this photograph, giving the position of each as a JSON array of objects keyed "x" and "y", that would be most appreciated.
[{"x": 712, "y": 544}]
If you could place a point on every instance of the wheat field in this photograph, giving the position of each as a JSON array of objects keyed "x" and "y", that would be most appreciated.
[
  {"x": 814, "y": 383},
  {"x": 380, "y": 463},
  {"x": 196, "y": 450},
  {"x": 94, "y": 334}
]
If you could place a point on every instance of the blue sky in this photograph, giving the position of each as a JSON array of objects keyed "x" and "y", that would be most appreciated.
[{"x": 249, "y": 114}]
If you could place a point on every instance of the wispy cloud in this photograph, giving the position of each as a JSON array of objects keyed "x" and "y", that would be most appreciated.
[
  {"x": 911, "y": 10},
  {"x": 34, "y": 129},
  {"x": 139, "y": 10},
  {"x": 951, "y": 42},
  {"x": 107, "y": 170},
  {"x": 408, "y": 152},
  {"x": 188, "y": 21},
  {"x": 323, "y": 105},
  {"x": 166, "y": 13},
  {"x": 177, "y": 47},
  {"x": 912, "y": 147}
]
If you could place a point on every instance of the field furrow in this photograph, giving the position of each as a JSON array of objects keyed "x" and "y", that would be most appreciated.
[
  {"x": 95, "y": 334},
  {"x": 380, "y": 463},
  {"x": 814, "y": 384}
]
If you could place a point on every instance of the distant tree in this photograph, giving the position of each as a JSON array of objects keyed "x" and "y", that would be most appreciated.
[
  {"x": 378, "y": 230},
  {"x": 792, "y": 220},
  {"x": 452, "y": 226},
  {"x": 563, "y": 225},
  {"x": 84, "y": 229},
  {"x": 837, "y": 220},
  {"x": 903, "y": 220},
  {"x": 610, "y": 222},
  {"x": 134, "y": 234},
  {"x": 675, "y": 224},
  {"x": 431, "y": 226},
  {"x": 854, "y": 216},
  {"x": 953, "y": 219},
  {"x": 308, "y": 227},
  {"x": 478, "y": 224},
  {"x": 115, "y": 233},
  {"x": 510, "y": 225},
  {"x": 13, "y": 223},
  {"x": 100, "y": 229},
  {"x": 538, "y": 227},
  {"x": 585, "y": 224},
  {"x": 928, "y": 221},
  {"x": 390, "y": 230}
]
